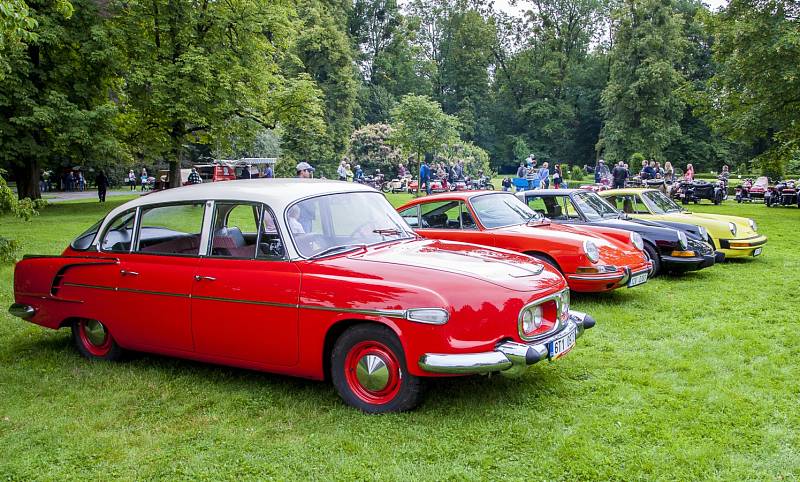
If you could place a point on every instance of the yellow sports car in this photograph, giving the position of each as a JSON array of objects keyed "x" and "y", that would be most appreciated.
[{"x": 732, "y": 235}]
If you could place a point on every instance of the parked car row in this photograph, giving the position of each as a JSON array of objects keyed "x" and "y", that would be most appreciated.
[{"x": 325, "y": 280}]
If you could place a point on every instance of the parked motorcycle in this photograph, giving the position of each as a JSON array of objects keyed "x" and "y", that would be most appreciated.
[
  {"x": 459, "y": 185},
  {"x": 783, "y": 193},
  {"x": 375, "y": 182},
  {"x": 397, "y": 185},
  {"x": 697, "y": 190},
  {"x": 759, "y": 188},
  {"x": 742, "y": 192},
  {"x": 483, "y": 183}
]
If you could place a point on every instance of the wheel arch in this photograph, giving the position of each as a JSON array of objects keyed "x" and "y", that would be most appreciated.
[
  {"x": 539, "y": 254},
  {"x": 337, "y": 329}
]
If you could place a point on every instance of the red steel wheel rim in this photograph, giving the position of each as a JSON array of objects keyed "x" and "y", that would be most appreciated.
[
  {"x": 373, "y": 372},
  {"x": 94, "y": 347}
]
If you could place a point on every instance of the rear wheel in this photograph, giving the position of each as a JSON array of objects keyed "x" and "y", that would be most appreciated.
[
  {"x": 490, "y": 186},
  {"x": 94, "y": 340},
  {"x": 368, "y": 369}
]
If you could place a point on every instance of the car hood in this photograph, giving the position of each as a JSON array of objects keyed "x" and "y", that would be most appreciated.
[
  {"x": 612, "y": 251},
  {"x": 499, "y": 267},
  {"x": 716, "y": 224}
]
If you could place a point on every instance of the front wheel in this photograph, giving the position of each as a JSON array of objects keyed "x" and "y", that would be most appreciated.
[
  {"x": 652, "y": 255},
  {"x": 386, "y": 187},
  {"x": 94, "y": 341},
  {"x": 490, "y": 187},
  {"x": 368, "y": 369}
]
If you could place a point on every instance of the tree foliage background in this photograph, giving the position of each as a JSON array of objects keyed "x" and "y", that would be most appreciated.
[{"x": 134, "y": 84}]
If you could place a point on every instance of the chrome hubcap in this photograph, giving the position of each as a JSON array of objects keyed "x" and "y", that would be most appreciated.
[
  {"x": 372, "y": 373},
  {"x": 95, "y": 332}
]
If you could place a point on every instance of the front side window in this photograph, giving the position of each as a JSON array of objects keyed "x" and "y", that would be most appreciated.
[
  {"x": 244, "y": 230},
  {"x": 497, "y": 210},
  {"x": 446, "y": 215},
  {"x": 171, "y": 229},
  {"x": 659, "y": 203},
  {"x": 411, "y": 216},
  {"x": 594, "y": 207},
  {"x": 337, "y": 222},
  {"x": 119, "y": 235}
]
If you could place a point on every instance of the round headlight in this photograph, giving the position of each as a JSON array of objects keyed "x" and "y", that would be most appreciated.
[
  {"x": 531, "y": 320},
  {"x": 753, "y": 225},
  {"x": 637, "y": 241},
  {"x": 732, "y": 227},
  {"x": 591, "y": 251},
  {"x": 682, "y": 241}
]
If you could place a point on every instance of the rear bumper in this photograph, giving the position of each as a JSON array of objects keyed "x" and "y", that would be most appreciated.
[
  {"x": 509, "y": 358},
  {"x": 23, "y": 311}
]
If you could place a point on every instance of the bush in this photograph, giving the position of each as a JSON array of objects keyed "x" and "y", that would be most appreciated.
[
  {"x": 576, "y": 174},
  {"x": 24, "y": 209}
]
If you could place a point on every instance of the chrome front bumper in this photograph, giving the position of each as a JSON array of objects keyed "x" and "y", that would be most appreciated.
[{"x": 509, "y": 358}]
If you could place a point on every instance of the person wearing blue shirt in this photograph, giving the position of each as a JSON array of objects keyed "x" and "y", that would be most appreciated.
[
  {"x": 544, "y": 176},
  {"x": 425, "y": 176},
  {"x": 359, "y": 175}
]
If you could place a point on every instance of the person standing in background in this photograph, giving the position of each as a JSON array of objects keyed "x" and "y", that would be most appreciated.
[
  {"x": 143, "y": 178},
  {"x": 340, "y": 171},
  {"x": 619, "y": 175},
  {"x": 348, "y": 173},
  {"x": 669, "y": 172},
  {"x": 544, "y": 175},
  {"x": 557, "y": 176},
  {"x": 304, "y": 170},
  {"x": 689, "y": 176},
  {"x": 425, "y": 177},
  {"x": 194, "y": 177},
  {"x": 101, "y": 181},
  {"x": 132, "y": 180},
  {"x": 269, "y": 173}
]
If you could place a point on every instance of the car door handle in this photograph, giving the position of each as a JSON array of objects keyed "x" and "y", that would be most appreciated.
[
  {"x": 197, "y": 277},
  {"x": 125, "y": 272}
]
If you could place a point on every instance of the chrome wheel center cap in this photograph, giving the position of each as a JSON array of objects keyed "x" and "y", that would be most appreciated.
[
  {"x": 372, "y": 373},
  {"x": 95, "y": 332}
]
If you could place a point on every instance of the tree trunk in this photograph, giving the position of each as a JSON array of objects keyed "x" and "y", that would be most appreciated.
[
  {"x": 27, "y": 176},
  {"x": 175, "y": 166}
]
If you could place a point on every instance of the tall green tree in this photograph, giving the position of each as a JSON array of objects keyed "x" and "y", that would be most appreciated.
[
  {"x": 55, "y": 107},
  {"x": 422, "y": 127},
  {"x": 197, "y": 68},
  {"x": 754, "y": 95},
  {"x": 325, "y": 54},
  {"x": 641, "y": 105}
]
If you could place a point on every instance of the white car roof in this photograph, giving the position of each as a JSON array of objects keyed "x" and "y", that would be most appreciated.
[{"x": 276, "y": 193}]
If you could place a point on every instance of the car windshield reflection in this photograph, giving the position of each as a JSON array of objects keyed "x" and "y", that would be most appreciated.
[
  {"x": 499, "y": 210},
  {"x": 594, "y": 207},
  {"x": 659, "y": 203},
  {"x": 336, "y": 223}
]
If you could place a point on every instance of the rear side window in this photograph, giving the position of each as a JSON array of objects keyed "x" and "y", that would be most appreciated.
[
  {"x": 119, "y": 234},
  {"x": 84, "y": 241},
  {"x": 172, "y": 229}
]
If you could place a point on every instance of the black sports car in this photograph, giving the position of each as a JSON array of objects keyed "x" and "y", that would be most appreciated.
[{"x": 673, "y": 247}]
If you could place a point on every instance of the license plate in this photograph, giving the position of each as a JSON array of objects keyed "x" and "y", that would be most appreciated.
[
  {"x": 637, "y": 279},
  {"x": 757, "y": 251},
  {"x": 560, "y": 347}
]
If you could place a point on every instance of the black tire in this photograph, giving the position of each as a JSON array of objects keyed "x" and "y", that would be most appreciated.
[
  {"x": 490, "y": 186},
  {"x": 107, "y": 349},
  {"x": 717, "y": 200},
  {"x": 651, "y": 254},
  {"x": 684, "y": 200},
  {"x": 385, "y": 187},
  {"x": 408, "y": 388}
]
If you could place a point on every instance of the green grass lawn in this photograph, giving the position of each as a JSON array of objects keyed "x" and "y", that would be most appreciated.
[{"x": 684, "y": 378}]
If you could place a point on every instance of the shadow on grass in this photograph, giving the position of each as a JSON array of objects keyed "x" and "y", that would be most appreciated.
[{"x": 442, "y": 394}]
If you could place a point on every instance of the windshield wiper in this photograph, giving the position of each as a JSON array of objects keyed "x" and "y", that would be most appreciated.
[
  {"x": 387, "y": 232},
  {"x": 339, "y": 249}
]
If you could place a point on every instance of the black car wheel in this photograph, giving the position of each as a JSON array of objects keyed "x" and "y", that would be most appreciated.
[{"x": 651, "y": 254}]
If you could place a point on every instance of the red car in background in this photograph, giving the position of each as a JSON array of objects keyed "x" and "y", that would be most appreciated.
[{"x": 600, "y": 259}]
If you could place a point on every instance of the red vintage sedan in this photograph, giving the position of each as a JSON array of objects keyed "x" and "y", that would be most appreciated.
[
  {"x": 317, "y": 279},
  {"x": 600, "y": 259}
]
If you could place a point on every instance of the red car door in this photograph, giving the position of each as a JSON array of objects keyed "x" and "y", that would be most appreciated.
[
  {"x": 155, "y": 279},
  {"x": 245, "y": 293}
]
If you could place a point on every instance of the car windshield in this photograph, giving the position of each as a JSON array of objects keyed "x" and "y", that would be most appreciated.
[
  {"x": 498, "y": 210},
  {"x": 659, "y": 203},
  {"x": 336, "y": 223},
  {"x": 594, "y": 207}
]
